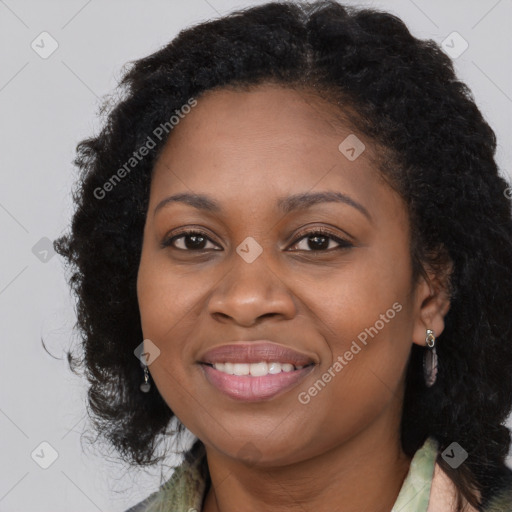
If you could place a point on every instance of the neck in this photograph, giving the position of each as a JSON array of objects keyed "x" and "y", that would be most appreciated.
[{"x": 362, "y": 474}]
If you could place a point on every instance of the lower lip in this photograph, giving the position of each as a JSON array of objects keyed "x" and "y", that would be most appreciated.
[{"x": 251, "y": 389}]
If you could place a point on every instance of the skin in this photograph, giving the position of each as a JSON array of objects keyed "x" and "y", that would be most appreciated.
[{"x": 246, "y": 149}]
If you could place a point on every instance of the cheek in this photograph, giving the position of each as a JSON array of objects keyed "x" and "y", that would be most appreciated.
[
  {"x": 166, "y": 298},
  {"x": 361, "y": 379},
  {"x": 169, "y": 306},
  {"x": 364, "y": 315},
  {"x": 364, "y": 301},
  {"x": 163, "y": 313}
]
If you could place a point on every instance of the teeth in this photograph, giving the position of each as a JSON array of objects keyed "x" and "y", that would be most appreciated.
[
  {"x": 255, "y": 369},
  {"x": 241, "y": 369},
  {"x": 258, "y": 369}
]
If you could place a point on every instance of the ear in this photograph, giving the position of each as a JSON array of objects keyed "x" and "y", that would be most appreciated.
[{"x": 431, "y": 303}]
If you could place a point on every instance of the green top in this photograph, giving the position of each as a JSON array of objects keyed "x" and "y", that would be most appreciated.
[
  {"x": 415, "y": 491},
  {"x": 186, "y": 489}
]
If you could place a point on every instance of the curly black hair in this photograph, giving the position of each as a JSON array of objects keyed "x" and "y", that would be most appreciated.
[{"x": 436, "y": 150}]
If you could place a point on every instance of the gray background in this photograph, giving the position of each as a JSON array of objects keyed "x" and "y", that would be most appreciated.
[{"x": 47, "y": 106}]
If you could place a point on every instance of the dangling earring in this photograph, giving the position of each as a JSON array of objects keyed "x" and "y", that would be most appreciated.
[
  {"x": 430, "y": 359},
  {"x": 145, "y": 386}
]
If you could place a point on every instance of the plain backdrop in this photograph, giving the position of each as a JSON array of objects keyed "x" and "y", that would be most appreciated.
[{"x": 47, "y": 105}]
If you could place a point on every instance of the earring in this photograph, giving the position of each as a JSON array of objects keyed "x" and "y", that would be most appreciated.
[
  {"x": 145, "y": 386},
  {"x": 430, "y": 359}
]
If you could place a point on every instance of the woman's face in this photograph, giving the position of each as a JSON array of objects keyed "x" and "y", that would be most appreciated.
[{"x": 343, "y": 302}]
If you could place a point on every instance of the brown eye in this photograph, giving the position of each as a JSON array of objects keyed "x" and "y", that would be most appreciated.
[
  {"x": 192, "y": 241},
  {"x": 319, "y": 240}
]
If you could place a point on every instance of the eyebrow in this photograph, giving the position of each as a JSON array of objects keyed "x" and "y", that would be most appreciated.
[{"x": 285, "y": 204}]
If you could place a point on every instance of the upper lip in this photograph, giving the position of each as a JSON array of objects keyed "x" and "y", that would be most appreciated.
[{"x": 255, "y": 352}]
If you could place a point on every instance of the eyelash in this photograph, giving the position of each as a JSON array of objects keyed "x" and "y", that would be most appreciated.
[{"x": 344, "y": 244}]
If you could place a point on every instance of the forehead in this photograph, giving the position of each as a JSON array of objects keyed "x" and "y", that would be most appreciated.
[
  {"x": 270, "y": 115},
  {"x": 246, "y": 147}
]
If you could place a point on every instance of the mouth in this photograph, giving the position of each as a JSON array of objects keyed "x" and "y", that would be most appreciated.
[
  {"x": 250, "y": 387},
  {"x": 255, "y": 371}
]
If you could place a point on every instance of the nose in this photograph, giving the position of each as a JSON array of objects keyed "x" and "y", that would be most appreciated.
[{"x": 250, "y": 292}]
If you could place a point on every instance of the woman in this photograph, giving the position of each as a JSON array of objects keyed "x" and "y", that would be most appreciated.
[{"x": 291, "y": 236}]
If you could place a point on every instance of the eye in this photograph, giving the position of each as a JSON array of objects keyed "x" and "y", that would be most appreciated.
[
  {"x": 319, "y": 240},
  {"x": 193, "y": 240}
]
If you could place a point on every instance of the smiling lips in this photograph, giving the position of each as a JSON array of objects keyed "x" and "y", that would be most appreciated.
[{"x": 256, "y": 370}]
